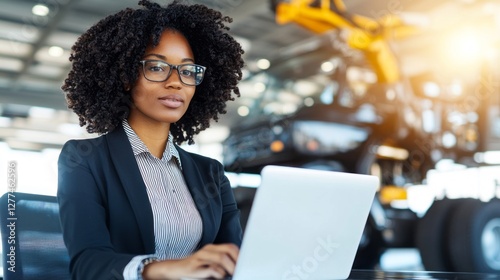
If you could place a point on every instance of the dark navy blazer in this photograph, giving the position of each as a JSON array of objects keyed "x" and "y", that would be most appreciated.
[{"x": 104, "y": 207}]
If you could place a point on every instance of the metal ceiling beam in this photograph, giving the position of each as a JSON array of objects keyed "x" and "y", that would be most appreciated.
[
  {"x": 14, "y": 75},
  {"x": 33, "y": 98},
  {"x": 40, "y": 42}
]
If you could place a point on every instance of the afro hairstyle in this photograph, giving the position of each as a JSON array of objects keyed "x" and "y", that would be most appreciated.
[{"x": 105, "y": 62}]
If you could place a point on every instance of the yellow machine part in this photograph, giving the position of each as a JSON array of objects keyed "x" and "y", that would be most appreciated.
[
  {"x": 365, "y": 34},
  {"x": 388, "y": 194}
]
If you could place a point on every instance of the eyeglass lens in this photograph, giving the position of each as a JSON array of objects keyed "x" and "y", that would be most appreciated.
[{"x": 158, "y": 71}]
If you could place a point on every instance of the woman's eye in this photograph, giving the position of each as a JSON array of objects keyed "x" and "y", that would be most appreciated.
[
  {"x": 156, "y": 69},
  {"x": 187, "y": 73}
]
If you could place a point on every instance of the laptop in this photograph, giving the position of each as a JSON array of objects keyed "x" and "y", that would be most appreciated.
[{"x": 305, "y": 224}]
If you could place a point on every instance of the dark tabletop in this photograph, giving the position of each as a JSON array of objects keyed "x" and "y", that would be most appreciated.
[
  {"x": 377, "y": 274},
  {"x": 374, "y": 274}
]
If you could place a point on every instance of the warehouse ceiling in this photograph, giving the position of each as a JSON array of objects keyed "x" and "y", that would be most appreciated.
[{"x": 34, "y": 51}]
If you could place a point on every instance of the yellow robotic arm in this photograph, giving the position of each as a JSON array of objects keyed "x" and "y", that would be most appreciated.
[{"x": 365, "y": 34}]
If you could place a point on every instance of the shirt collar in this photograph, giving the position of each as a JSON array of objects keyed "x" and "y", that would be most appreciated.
[{"x": 139, "y": 147}]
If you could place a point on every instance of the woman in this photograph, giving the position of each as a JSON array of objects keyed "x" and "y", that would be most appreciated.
[{"x": 133, "y": 204}]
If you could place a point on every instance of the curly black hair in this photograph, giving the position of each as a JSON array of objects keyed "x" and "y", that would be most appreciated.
[{"x": 105, "y": 63}]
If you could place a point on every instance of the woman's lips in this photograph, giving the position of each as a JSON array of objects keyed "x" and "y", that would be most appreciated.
[{"x": 171, "y": 102}]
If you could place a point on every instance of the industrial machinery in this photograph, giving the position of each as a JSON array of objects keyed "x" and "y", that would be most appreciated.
[{"x": 351, "y": 108}]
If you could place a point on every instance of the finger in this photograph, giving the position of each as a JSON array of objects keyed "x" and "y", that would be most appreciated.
[
  {"x": 216, "y": 258},
  {"x": 217, "y": 255},
  {"x": 230, "y": 249},
  {"x": 209, "y": 271},
  {"x": 217, "y": 271},
  {"x": 226, "y": 262}
]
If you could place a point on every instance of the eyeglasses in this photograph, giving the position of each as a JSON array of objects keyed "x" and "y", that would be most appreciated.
[{"x": 160, "y": 71}]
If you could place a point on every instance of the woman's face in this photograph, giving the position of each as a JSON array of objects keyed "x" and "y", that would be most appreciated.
[{"x": 167, "y": 101}]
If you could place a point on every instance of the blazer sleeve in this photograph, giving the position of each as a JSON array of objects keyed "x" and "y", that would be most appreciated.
[
  {"x": 83, "y": 219},
  {"x": 230, "y": 228},
  {"x": 213, "y": 195}
]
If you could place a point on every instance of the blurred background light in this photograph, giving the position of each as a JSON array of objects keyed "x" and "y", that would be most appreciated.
[
  {"x": 40, "y": 10},
  {"x": 263, "y": 63}
]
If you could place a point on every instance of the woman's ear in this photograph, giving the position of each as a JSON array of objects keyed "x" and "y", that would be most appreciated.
[{"x": 127, "y": 87}]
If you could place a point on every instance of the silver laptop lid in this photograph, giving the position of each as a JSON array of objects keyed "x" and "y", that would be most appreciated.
[{"x": 305, "y": 224}]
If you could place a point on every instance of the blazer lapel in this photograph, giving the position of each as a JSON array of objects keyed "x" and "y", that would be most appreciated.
[
  {"x": 201, "y": 195},
  {"x": 131, "y": 179}
]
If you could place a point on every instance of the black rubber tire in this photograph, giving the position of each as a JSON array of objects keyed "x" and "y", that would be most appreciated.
[
  {"x": 369, "y": 253},
  {"x": 466, "y": 228},
  {"x": 432, "y": 233}
]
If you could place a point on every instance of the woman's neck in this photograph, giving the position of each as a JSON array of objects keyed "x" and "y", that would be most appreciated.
[{"x": 153, "y": 134}]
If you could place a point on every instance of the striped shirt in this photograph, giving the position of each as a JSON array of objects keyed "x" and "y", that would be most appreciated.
[{"x": 177, "y": 222}]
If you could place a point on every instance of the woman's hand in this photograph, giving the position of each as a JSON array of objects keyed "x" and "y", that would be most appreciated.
[{"x": 211, "y": 261}]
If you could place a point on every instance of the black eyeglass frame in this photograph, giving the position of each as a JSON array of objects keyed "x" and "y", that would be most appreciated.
[{"x": 173, "y": 66}]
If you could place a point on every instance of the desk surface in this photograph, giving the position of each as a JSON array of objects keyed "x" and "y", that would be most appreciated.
[
  {"x": 374, "y": 274},
  {"x": 358, "y": 274}
]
